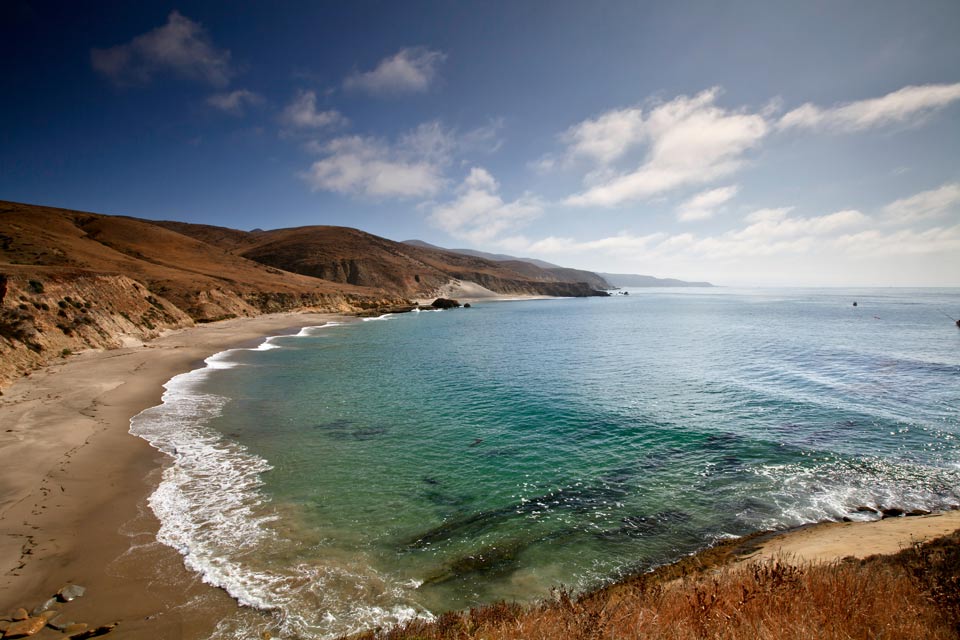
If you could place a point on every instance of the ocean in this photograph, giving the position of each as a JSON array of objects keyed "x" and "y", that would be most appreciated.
[{"x": 355, "y": 475}]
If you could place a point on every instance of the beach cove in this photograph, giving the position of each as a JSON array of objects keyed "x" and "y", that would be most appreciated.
[
  {"x": 76, "y": 483},
  {"x": 108, "y": 475}
]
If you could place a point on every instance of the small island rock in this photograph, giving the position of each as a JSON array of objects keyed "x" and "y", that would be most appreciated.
[{"x": 444, "y": 303}]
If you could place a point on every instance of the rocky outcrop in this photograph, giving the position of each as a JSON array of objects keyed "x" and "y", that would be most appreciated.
[
  {"x": 47, "y": 314},
  {"x": 445, "y": 303}
]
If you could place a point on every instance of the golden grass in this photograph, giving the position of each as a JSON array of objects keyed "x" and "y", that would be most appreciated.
[{"x": 915, "y": 594}]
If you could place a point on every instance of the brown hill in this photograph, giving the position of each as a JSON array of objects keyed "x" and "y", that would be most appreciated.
[
  {"x": 350, "y": 256},
  {"x": 72, "y": 280}
]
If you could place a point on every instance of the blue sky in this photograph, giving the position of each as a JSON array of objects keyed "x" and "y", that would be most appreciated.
[{"x": 814, "y": 143}]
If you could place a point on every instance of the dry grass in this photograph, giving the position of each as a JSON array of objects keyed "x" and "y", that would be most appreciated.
[{"x": 915, "y": 594}]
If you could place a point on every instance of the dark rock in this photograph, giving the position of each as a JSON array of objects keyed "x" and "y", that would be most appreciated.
[
  {"x": 494, "y": 560},
  {"x": 61, "y": 622},
  {"x": 444, "y": 303},
  {"x": 466, "y": 305},
  {"x": 70, "y": 592},
  {"x": 892, "y": 512},
  {"x": 866, "y": 509},
  {"x": 918, "y": 512},
  {"x": 46, "y": 606},
  {"x": 93, "y": 633}
]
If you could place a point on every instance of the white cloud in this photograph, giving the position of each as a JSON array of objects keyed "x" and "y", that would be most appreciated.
[
  {"x": 704, "y": 204},
  {"x": 234, "y": 102},
  {"x": 430, "y": 140},
  {"x": 924, "y": 205},
  {"x": 689, "y": 141},
  {"x": 411, "y": 166},
  {"x": 764, "y": 215},
  {"x": 302, "y": 113},
  {"x": 606, "y": 138},
  {"x": 181, "y": 46},
  {"x": 623, "y": 244},
  {"x": 368, "y": 167},
  {"x": 409, "y": 70},
  {"x": 479, "y": 214},
  {"x": 907, "y": 105}
]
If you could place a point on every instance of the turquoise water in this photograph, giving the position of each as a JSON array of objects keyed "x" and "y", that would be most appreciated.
[{"x": 359, "y": 474}]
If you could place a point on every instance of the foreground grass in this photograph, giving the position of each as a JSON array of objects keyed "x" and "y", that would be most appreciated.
[{"x": 914, "y": 594}]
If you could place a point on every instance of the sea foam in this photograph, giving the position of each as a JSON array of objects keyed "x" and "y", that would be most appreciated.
[{"x": 212, "y": 511}]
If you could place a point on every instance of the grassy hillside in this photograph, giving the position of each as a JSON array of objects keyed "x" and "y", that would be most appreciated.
[{"x": 914, "y": 594}]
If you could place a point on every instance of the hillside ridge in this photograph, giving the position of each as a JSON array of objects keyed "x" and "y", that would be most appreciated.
[{"x": 74, "y": 280}]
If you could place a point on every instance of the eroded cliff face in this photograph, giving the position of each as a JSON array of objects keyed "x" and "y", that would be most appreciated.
[
  {"x": 50, "y": 313},
  {"x": 46, "y": 314}
]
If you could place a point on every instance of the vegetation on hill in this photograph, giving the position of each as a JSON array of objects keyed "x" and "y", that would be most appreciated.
[{"x": 914, "y": 594}]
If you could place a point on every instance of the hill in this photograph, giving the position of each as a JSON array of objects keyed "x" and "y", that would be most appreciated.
[
  {"x": 72, "y": 280},
  {"x": 496, "y": 257},
  {"x": 350, "y": 256},
  {"x": 595, "y": 279},
  {"x": 634, "y": 280},
  {"x": 541, "y": 269}
]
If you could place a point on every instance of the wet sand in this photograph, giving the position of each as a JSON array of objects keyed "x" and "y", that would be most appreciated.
[{"x": 74, "y": 483}]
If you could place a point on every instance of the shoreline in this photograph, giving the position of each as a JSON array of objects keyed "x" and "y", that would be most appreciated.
[{"x": 75, "y": 483}]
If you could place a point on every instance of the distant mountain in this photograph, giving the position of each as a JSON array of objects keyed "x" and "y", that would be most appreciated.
[
  {"x": 496, "y": 257},
  {"x": 634, "y": 280},
  {"x": 554, "y": 271},
  {"x": 595, "y": 279}
]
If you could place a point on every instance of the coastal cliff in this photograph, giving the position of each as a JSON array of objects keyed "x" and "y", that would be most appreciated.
[{"x": 73, "y": 280}]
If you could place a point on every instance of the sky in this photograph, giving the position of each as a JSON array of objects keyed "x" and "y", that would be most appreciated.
[{"x": 745, "y": 143}]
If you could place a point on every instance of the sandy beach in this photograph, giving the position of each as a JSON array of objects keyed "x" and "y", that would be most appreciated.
[
  {"x": 831, "y": 541},
  {"x": 75, "y": 482}
]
